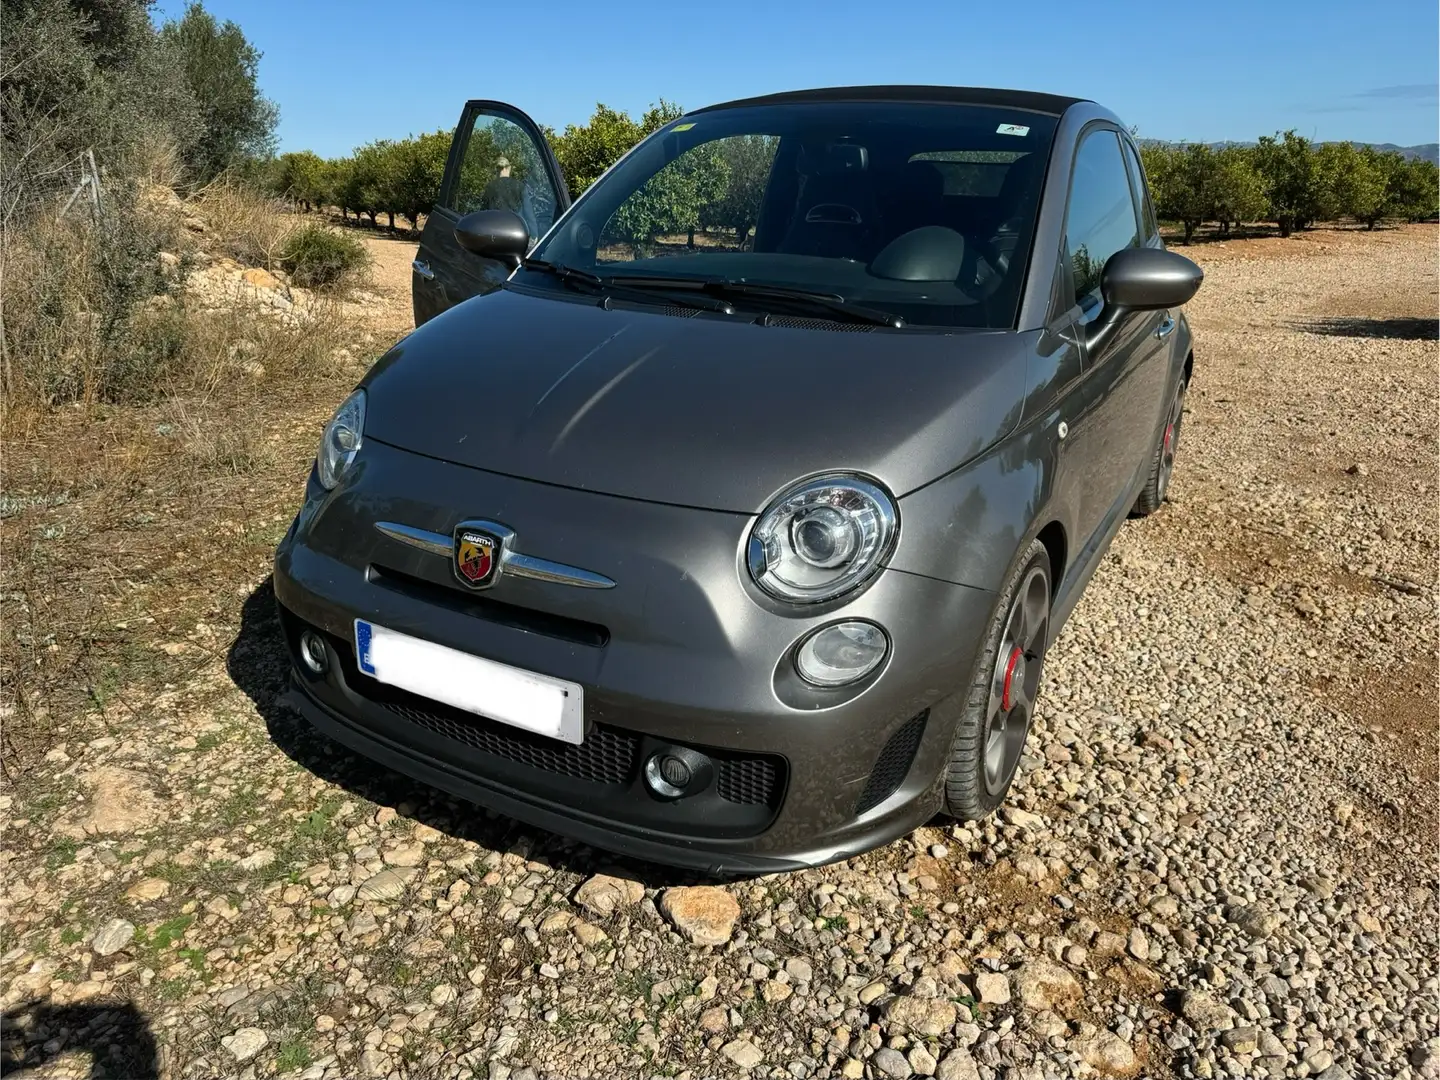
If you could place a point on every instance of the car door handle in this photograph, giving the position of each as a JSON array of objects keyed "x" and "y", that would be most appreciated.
[
  {"x": 1165, "y": 328},
  {"x": 423, "y": 269}
]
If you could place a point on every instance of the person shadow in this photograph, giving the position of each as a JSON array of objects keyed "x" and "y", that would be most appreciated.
[
  {"x": 258, "y": 663},
  {"x": 116, "y": 1036}
]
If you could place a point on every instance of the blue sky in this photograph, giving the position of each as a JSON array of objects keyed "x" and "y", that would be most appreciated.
[{"x": 344, "y": 73}]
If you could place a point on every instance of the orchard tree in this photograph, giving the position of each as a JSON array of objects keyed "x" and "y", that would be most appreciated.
[
  {"x": 1182, "y": 183},
  {"x": 416, "y": 168},
  {"x": 1286, "y": 169},
  {"x": 300, "y": 175},
  {"x": 1238, "y": 192}
]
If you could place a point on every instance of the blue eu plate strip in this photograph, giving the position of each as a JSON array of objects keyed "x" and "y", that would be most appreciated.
[{"x": 362, "y": 646}]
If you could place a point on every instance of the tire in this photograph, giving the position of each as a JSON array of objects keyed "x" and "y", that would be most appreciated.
[
  {"x": 990, "y": 734},
  {"x": 1162, "y": 464}
]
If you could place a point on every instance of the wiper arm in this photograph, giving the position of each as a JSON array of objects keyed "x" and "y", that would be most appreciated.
[
  {"x": 584, "y": 280},
  {"x": 832, "y": 303}
]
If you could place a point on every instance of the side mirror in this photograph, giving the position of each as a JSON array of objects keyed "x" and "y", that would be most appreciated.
[
  {"x": 1142, "y": 279},
  {"x": 494, "y": 234},
  {"x": 1148, "y": 279}
]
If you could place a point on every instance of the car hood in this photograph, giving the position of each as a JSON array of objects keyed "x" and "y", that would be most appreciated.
[{"x": 702, "y": 411}]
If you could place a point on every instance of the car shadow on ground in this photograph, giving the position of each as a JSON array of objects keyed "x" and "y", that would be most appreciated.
[
  {"x": 259, "y": 664},
  {"x": 115, "y": 1035},
  {"x": 1399, "y": 328}
]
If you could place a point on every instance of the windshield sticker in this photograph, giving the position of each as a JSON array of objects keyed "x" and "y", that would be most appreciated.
[
  {"x": 1012, "y": 129},
  {"x": 682, "y": 127}
]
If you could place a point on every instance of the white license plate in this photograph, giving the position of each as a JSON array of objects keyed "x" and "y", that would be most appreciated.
[{"x": 523, "y": 699}]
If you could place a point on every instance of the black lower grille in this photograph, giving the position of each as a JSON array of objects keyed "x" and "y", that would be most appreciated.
[
  {"x": 893, "y": 763},
  {"x": 750, "y": 781},
  {"x": 607, "y": 756}
]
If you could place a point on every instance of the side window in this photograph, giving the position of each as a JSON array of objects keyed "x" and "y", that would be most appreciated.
[
  {"x": 501, "y": 169},
  {"x": 1100, "y": 219},
  {"x": 1147, "y": 212}
]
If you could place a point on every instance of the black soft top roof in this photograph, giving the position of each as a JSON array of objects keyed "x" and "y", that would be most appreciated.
[{"x": 1052, "y": 104}]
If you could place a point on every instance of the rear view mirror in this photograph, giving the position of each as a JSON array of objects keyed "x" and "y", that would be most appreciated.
[
  {"x": 494, "y": 234},
  {"x": 1148, "y": 279}
]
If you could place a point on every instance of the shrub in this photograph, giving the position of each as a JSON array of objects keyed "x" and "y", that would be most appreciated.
[{"x": 316, "y": 257}]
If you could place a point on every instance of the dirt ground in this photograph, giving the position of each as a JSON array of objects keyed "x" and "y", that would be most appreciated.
[{"x": 1221, "y": 859}]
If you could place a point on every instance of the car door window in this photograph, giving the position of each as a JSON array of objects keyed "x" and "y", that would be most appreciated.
[
  {"x": 1100, "y": 219},
  {"x": 1148, "y": 224},
  {"x": 501, "y": 168}
]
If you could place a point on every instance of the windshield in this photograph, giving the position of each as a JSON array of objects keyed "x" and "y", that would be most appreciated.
[{"x": 925, "y": 211}]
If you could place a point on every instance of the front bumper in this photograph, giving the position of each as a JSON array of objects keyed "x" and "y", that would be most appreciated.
[{"x": 679, "y": 653}]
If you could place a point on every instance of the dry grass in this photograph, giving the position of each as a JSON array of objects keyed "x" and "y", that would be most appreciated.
[
  {"x": 249, "y": 227},
  {"x": 149, "y": 450}
]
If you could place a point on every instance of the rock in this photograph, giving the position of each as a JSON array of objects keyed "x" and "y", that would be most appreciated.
[
  {"x": 891, "y": 1063},
  {"x": 406, "y": 855},
  {"x": 257, "y": 860},
  {"x": 386, "y": 885},
  {"x": 743, "y": 1053},
  {"x": 119, "y": 802},
  {"x": 1032, "y": 868},
  {"x": 704, "y": 914},
  {"x": 442, "y": 995},
  {"x": 376, "y": 1063},
  {"x": 603, "y": 894},
  {"x": 1241, "y": 1040},
  {"x": 872, "y": 992},
  {"x": 853, "y": 1069},
  {"x": 1319, "y": 1061},
  {"x": 1257, "y": 921},
  {"x": 260, "y": 279},
  {"x": 919, "y": 1016},
  {"x": 1358, "y": 469},
  {"x": 922, "y": 1062},
  {"x": 555, "y": 922},
  {"x": 113, "y": 936},
  {"x": 1044, "y": 984},
  {"x": 714, "y": 1021},
  {"x": 1022, "y": 818},
  {"x": 1106, "y": 1053},
  {"x": 799, "y": 970},
  {"x": 147, "y": 889},
  {"x": 957, "y": 1065},
  {"x": 245, "y": 1043},
  {"x": 1106, "y": 944},
  {"x": 1204, "y": 1013},
  {"x": 588, "y": 934},
  {"x": 992, "y": 988},
  {"x": 1138, "y": 945}
]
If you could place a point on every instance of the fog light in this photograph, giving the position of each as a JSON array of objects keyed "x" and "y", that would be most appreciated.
[
  {"x": 841, "y": 654},
  {"x": 312, "y": 652},
  {"x": 677, "y": 771}
]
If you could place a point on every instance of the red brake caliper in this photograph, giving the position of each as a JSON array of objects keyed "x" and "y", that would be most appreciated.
[
  {"x": 1016, "y": 655},
  {"x": 1169, "y": 438}
]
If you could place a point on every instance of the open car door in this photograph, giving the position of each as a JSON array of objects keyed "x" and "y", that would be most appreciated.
[{"x": 499, "y": 160}]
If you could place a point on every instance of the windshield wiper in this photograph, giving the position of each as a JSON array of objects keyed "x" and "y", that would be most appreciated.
[
  {"x": 833, "y": 304},
  {"x": 594, "y": 283}
]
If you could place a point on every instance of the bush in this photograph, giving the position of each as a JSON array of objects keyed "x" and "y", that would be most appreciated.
[{"x": 316, "y": 257}]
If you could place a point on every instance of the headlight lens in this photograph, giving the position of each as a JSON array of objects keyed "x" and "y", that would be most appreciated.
[
  {"x": 841, "y": 654},
  {"x": 822, "y": 538},
  {"x": 341, "y": 441}
]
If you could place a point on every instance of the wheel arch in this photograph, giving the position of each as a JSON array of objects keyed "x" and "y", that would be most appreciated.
[{"x": 1052, "y": 535}]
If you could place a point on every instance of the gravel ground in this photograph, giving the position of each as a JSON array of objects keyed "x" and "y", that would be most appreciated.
[{"x": 1220, "y": 861}]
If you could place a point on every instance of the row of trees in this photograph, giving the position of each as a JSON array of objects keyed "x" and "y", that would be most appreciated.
[
  {"x": 1285, "y": 179},
  {"x": 1288, "y": 180},
  {"x": 401, "y": 177}
]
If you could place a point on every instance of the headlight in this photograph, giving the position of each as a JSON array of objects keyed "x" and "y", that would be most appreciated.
[
  {"x": 341, "y": 441},
  {"x": 822, "y": 538}
]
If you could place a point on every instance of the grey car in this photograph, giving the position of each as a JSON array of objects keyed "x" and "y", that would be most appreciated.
[{"x": 724, "y": 517}]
